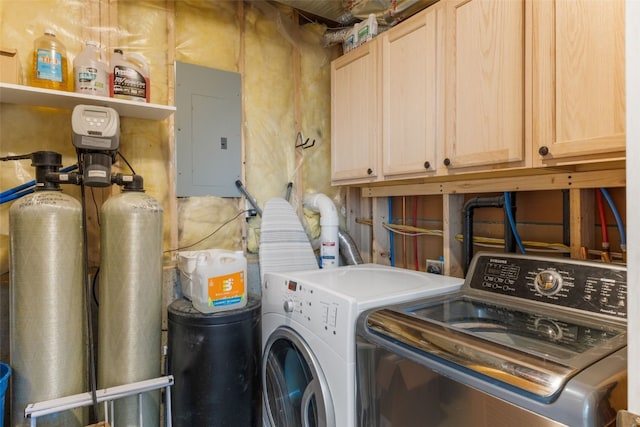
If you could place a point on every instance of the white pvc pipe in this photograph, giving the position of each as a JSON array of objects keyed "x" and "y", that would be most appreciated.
[{"x": 329, "y": 246}]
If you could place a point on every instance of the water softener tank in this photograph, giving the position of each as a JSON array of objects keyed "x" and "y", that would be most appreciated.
[
  {"x": 215, "y": 361},
  {"x": 130, "y": 300},
  {"x": 47, "y": 311}
]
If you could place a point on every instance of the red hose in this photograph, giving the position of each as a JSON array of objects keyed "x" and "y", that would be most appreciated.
[{"x": 603, "y": 221}]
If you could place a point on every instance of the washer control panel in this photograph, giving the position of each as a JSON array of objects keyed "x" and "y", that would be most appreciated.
[
  {"x": 584, "y": 285},
  {"x": 311, "y": 306}
]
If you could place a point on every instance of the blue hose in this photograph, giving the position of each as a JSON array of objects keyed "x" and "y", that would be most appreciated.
[
  {"x": 616, "y": 214},
  {"x": 15, "y": 196},
  {"x": 512, "y": 223},
  {"x": 16, "y": 189},
  {"x": 16, "y": 192}
]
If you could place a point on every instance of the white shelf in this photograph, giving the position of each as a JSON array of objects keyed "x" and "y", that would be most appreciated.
[{"x": 27, "y": 95}]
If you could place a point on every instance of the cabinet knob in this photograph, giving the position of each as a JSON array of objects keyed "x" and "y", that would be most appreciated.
[
  {"x": 447, "y": 161},
  {"x": 544, "y": 150},
  {"x": 427, "y": 165},
  {"x": 369, "y": 171}
]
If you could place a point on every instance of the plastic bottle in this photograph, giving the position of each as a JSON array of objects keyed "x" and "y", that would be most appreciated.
[
  {"x": 50, "y": 68},
  {"x": 220, "y": 281},
  {"x": 367, "y": 29},
  {"x": 129, "y": 77},
  {"x": 90, "y": 71}
]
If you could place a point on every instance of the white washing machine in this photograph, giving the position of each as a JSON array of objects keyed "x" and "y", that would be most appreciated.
[{"x": 308, "y": 337}]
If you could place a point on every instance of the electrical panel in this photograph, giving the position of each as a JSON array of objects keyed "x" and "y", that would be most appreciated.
[{"x": 207, "y": 131}]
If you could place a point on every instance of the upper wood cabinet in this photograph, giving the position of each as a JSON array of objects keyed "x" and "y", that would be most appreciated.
[
  {"x": 485, "y": 85},
  {"x": 412, "y": 95},
  {"x": 355, "y": 115},
  {"x": 482, "y": 85},
  {"x": 387, "y": 103},
  {"x": 578, "y": 95}
]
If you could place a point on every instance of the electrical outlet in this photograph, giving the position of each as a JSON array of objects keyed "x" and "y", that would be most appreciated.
[{"x": 435, "y": 266}]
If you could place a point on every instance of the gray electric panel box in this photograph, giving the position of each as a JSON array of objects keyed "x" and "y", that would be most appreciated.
[{"x": 208, "y": 131}]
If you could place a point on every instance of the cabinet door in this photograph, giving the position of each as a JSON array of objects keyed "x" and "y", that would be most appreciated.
[
  {"x": 355, "y": 113},
  {"x": 578, "y": 80},
  {"x": 412, "y": 54},
  {"x": 485, "y": 82}
]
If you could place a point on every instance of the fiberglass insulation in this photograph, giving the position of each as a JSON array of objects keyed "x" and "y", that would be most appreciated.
[{"x": 256, "y": 39}]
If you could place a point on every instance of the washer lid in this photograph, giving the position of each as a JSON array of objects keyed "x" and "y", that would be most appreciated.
[
  {"x": 372, "y": 285},
  {"x": 537, "y": 352}
]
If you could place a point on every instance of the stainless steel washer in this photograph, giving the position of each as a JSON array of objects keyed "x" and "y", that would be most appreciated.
[{"x": 528, "y": 341}]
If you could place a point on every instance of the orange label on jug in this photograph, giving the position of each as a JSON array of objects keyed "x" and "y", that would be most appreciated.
[{"x": 226, "y": 290}]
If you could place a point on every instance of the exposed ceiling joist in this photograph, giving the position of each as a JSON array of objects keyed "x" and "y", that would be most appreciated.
[{"x": 347, "y": 12}]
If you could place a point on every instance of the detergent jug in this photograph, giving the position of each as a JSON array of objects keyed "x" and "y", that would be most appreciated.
[{"x": 219, "y": 281}]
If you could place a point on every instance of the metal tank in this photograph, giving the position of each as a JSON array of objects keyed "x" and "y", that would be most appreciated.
[
  {"x": 130, "y": 300},
  {"x": 47, "y": 328}
]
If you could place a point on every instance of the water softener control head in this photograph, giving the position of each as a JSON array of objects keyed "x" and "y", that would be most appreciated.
[{"x": 95, "y": 128}]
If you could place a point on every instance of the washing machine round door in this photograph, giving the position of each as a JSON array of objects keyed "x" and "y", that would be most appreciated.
[{"x": 294, "y": 389}]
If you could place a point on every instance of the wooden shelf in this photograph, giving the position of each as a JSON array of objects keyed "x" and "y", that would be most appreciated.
[
  {"x": 536, "y": 180},
  {"x": 37, "y": 97}
]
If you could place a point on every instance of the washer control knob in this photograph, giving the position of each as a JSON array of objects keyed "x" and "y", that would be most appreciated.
[
  {"x": 548, "y": 282},
  {"x": 288, "y": 306}
]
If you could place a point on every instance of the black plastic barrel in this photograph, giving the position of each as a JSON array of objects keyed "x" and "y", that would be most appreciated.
[{"x": 215, "y": 361}]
